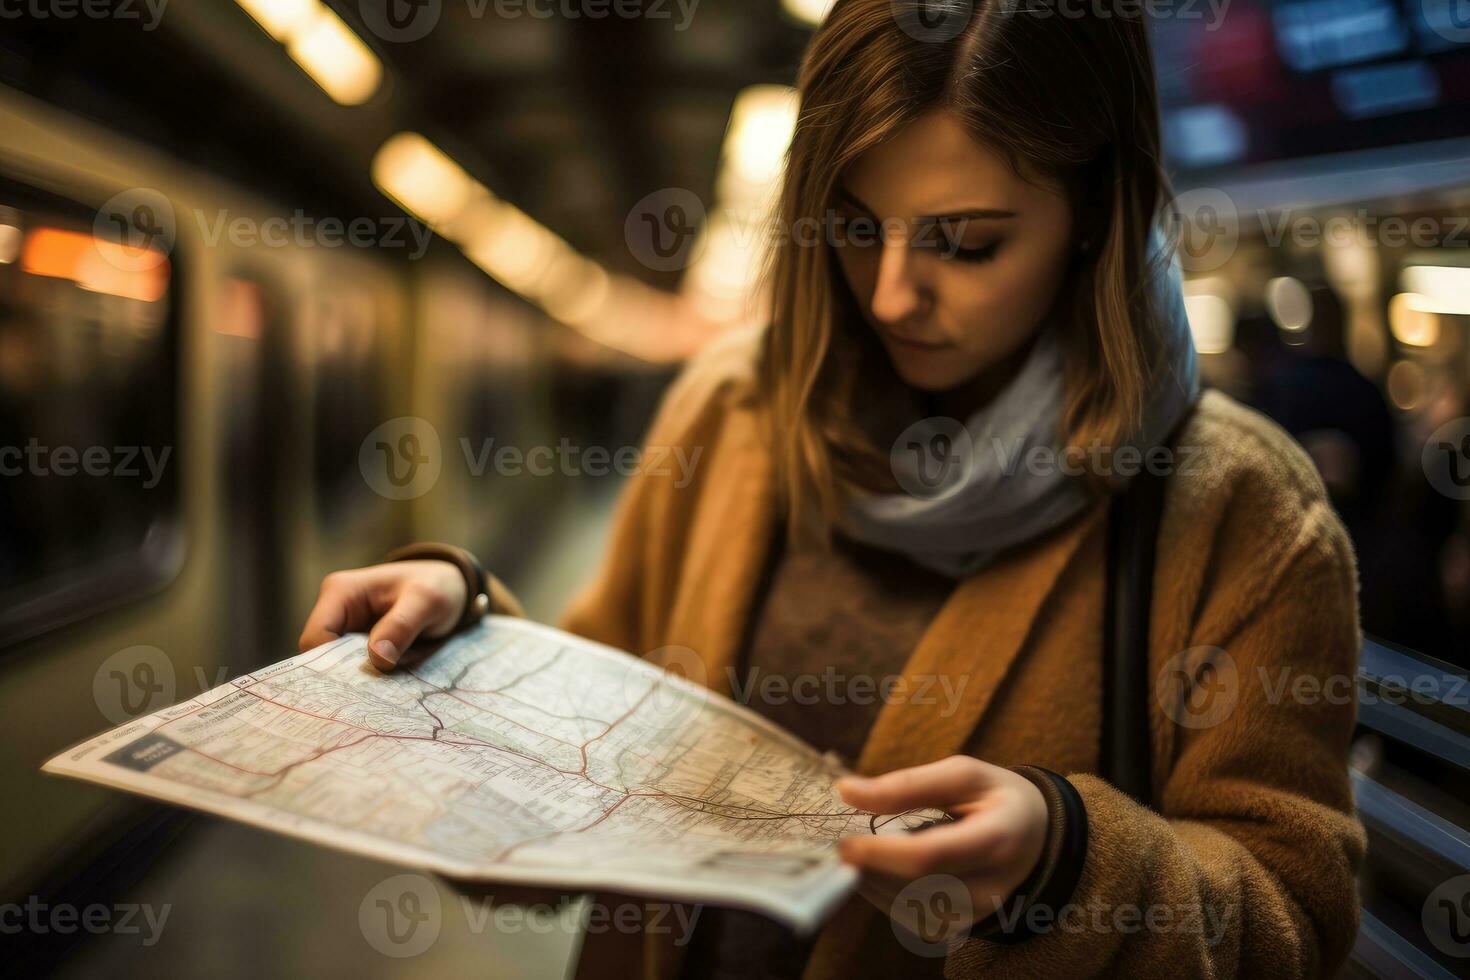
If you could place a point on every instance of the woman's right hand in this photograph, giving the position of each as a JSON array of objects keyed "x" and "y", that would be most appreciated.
[{"x": 395, "y": 603}]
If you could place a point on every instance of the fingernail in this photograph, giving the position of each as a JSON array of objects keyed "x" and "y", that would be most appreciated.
[{"x": 386, "y": 650}]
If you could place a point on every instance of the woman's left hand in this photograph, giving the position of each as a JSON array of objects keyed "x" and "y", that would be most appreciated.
[{"x": 994, "y": 842}]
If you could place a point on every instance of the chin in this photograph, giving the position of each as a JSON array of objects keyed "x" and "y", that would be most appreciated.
[{"x": 933, "y": 373}]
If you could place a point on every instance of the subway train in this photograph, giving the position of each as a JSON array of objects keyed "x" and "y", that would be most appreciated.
[
  {"x": 227, "y": 404},
  {"x": 226, "y": 395}
]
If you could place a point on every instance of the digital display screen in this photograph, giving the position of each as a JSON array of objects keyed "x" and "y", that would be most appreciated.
[{"x": 1251, "y": 81}]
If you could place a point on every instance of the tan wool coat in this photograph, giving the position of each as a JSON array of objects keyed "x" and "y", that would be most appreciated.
[{"x": 1245, "y": 864}]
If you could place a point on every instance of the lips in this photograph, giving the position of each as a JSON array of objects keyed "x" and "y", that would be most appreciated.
[{"x": 914, "y": 342}]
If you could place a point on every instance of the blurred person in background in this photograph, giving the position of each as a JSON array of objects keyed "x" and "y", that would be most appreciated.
[{"x": 989, "y": 270}]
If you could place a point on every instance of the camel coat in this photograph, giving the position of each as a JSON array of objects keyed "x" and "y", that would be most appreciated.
[{"x": 1245, "y": 865}]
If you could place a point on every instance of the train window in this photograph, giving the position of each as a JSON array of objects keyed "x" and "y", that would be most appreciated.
[
  {"x": 89, "y": 457},
  {"x": 347, "y": 350}
]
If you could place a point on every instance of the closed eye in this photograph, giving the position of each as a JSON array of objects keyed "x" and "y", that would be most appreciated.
[{"x": 982, "y": 253}]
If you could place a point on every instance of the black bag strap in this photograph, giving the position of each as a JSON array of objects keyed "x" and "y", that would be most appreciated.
[{"x": 1133, "y": 533}]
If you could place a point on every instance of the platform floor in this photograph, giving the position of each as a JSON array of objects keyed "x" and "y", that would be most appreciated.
[{"x": 245, "y": 903}]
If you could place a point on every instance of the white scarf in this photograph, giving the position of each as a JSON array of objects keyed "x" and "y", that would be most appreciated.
[{"x": 979, "y": 487}]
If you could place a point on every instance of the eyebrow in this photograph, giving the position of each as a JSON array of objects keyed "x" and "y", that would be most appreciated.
[{"x": 983, "y": 213}]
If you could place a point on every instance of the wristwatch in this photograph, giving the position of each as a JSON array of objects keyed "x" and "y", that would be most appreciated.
[{"x": 476, "y": 582}]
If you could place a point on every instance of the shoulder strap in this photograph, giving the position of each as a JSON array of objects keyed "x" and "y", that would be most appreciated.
[{"x": 1133, "y": 531}]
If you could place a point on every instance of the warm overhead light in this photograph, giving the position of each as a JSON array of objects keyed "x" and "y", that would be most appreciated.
[
  {"x": 281, "y": 18},
  {"x": 1439, "y": 288},
  {"x": 811, "y": 12},
  {"x": 1412, "y": 322},
  {"x": 10, "y": 237},
  {"x": 1211, "y": 321},
  {"x": 422, "y": 179},
  {"x": 336, "y": 59},
  {"x": 530, "y": 259},
  {"x": 578, "y": 291},
  {"x": 323, "y": 45},
  {"x": 514, "y": 248},
  {"x": 1289, "y": 303},
  {"x": 1406, "y": 385},
  {"x": 762, "y": 122}
]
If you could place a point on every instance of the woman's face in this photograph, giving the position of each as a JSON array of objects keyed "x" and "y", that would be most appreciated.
[{"x": 953, "y": 259}]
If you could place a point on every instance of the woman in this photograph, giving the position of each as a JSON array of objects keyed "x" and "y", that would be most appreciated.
[{"x": 1018, "y": 282}]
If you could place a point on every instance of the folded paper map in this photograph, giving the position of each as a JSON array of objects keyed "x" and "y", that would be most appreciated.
[{"x": 514, "y": 753}]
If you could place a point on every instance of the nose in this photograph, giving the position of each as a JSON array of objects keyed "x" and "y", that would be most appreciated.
[{"x": 897, "y": 295}]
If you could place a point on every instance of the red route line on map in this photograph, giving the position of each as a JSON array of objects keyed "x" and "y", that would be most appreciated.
[{"x": 677, "y": 799}]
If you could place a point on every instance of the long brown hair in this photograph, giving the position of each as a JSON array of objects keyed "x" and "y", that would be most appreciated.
[{"x": 1069, "y": 97}]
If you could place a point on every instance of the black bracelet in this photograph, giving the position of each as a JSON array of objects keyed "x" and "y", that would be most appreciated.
[
  {"x": 476, "y": 582},
  {"x": 1057, "y": 888}
]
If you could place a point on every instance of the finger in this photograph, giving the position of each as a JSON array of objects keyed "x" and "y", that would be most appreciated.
[
  {"x": 339, "y": 604},
  {"x": 973, "y": 844},
  {"x": 948, "y": 782},
  {"x": 400, "y": 626}
]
